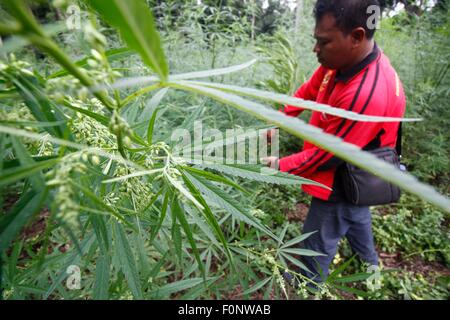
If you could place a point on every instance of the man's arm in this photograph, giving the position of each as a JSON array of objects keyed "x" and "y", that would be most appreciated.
[
  {"x": 308, "y": 91},
  {"x": 307, "y": 162}
]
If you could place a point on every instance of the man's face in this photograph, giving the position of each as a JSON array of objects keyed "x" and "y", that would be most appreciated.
[{"x": 333, "y": 48}]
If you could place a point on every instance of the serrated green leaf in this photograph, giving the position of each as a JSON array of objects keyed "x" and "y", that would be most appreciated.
[
  {"x": 283, "y": 234},
  {"x": 176, "y": 239},
  {"x": 212, "y": 72},
  {"x": 303, "y": 252},
  {"x": 133, "y": 175},
  {"x": 37, "y": 179},
  {"x": 13, "y": 259},
  {"x": 34, "y": 124},
  {"x": 295, "y": 261},
  {"x": 17, "y": 173},
  {"x": 153, "y": 104},
  {"x": 101, "y": 233},
  {"x": 20, "y": 214},
  {"x": 354, "y": 277},
  {"x": 101, "y": 119},
  {"x": 162, "y": 216},
  {"x": 214, "y": 177},
  {"x": 91, "y": 195},
  {"x": 183, "y": 191},
  {"x": 339, "y": 270},
  {"x": 202, "y": 225},
  {"x": 101, "y": 280},
  {"x": 139, "y": 81},
  {"x": 260, "y": 173},
  {"x": 297, "y": 239},
  {"x": 151, "y": 125},
  {"x": 228, "y": 203},
  {"x": 180, "y": 216},
  {"x": 306, "y": 104},
  {"x": 150, "y": 107},
  {"x": 210, "y": 218},
  {"x": 157, "y": 267},
  {"x": 352, "y": 290},
  {"x": 40, "y": 106},
  {"x": 16, "y": 163},
  {"x": 127, "y": 261},
  {"x": 196, "y": 292},
  {"x": 180, "y": 285},
  {"x": 257, "y": 286}
]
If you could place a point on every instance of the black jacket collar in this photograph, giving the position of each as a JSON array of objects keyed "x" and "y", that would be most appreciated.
[{"x": 350, "y": 73}]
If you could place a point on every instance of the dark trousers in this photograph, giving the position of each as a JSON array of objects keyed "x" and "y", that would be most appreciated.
[{"x": 332, "y": 221}]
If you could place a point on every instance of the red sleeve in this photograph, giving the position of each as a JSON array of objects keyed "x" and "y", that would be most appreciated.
[
  {"x": 308, "y": 91},
  {"x": 358, "y": 133}
]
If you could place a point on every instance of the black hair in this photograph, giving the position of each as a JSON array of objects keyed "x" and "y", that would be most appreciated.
[{"x": 349, "y": 14}]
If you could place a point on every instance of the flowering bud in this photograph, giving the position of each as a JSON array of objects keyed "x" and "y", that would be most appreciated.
[
  {"x": 127, "y": 141},
  {"x": 96, "y": 55},
  {"x": 58, "y": 97},
  {"x": 82, "y": 94},
  {"x": 60, "y": 3},
  {"x": 94, "y": 37},
  {"x": 92, "y": 63},
  {"x": 27, "y": 72},
  {"x": 95, "y": 160}
]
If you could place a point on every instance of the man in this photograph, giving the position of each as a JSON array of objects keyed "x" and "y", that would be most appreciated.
[{"x": 356, "y": 76}]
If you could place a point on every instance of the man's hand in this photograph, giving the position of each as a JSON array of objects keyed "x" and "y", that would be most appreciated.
[{"x": 272, "y": 162}]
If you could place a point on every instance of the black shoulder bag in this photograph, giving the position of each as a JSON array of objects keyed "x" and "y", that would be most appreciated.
[{"x": 365, "y": 189}]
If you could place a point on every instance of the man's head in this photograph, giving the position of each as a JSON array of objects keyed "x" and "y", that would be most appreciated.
[{"x": 343, "y": 31}]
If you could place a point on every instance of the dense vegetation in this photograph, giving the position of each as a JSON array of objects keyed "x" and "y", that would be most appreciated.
[{"x": 90, "y": 179}]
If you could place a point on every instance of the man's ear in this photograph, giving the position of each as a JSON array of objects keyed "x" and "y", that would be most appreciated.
[{"x": 358, "y": 36}]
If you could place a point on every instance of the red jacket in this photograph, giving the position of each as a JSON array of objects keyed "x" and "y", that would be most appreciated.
[{"x": 372, "y": 88}]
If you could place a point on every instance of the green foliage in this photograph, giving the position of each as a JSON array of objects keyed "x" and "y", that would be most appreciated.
[
  {"x": 425, "y": 71},
  {"x": 282, "y": 58},
  {"x": 415, "y": 229},
  {"x": 277, "y": 201},
  {"x": 413, "y": 286},
  {"x": 137, "y": 28}
]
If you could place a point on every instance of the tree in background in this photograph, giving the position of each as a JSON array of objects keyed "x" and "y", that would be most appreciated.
[{"x": 417, "y": 8}]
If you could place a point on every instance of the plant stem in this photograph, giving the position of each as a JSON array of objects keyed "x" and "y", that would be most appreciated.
[
  {"x": 9, "y": 28},
  {"x": 139, "y": 92},
  {"x": 120, "y": 145}
]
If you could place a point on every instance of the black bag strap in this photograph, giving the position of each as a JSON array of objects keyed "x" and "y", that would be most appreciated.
[{"x": 398, "y": 147}]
